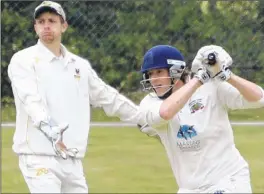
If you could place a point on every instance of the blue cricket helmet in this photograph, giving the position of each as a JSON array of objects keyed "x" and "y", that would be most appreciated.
[
  {"x": 162, "y": 56},
  {"x": 159, "y": 57}
]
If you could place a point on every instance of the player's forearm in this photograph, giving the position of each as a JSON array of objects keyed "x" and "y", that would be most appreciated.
[
  {"x": 113, "y": 103},
  {"x": 250, "y": 91},
  {"x": 33, "y": 106},
  {"x": 178, "y": 99},
  {"x": 26, "y": 92}
]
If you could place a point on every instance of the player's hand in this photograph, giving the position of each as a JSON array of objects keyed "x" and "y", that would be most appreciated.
[
  {"x": 202, "y": 75},
  {"x": 60, "y": 148},
  {"x": 223, "y": 60},
  {"x": 55, "y": 135},
  {"x": 224, "y": 74}
]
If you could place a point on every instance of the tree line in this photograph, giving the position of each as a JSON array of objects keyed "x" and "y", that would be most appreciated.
[{"x": 114, "y": 35}]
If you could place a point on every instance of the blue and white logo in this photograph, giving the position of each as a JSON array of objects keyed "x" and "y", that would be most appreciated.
[
  {"x": 186, "y": 141},
  {"x": 186, "y": 132}
]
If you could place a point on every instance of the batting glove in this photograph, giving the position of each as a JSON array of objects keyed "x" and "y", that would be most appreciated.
[
  {"x": 222, "y": 59},
  {"x": 202, "y": 75},
  {"x": 224, "y": 74},
  {"x": 55, "y": 134}
]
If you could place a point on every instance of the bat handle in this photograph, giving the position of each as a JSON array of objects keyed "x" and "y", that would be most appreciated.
[{"x": 211, "y": 59}]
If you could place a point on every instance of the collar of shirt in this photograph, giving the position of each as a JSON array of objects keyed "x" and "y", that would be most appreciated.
[{"x": 49, "y": 56}]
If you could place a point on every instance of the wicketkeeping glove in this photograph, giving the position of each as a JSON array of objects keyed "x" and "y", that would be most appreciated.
[
  {"x": 223, "y": 60},
  {"x": 147, "y": 130},
  {"x": 203, "y": 75},
  {"x": 55, "y": 135}
]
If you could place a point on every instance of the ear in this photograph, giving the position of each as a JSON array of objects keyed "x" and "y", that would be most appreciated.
[
  {"x": 64, "y": 27},
  {"x": 35, "y": 27}
]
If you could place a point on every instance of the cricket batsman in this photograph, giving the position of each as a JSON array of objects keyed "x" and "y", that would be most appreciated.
[{"x": 194, "y": 127}]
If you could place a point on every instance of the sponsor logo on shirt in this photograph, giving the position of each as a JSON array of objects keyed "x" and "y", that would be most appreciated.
[
  {"x": 196, "y": 105},
  {"x": 186, "y": 141},
  {"x": 186, "y": 132},
  {"x": 41, "y": 171}
]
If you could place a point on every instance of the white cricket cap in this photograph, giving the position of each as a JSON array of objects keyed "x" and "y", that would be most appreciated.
[{"x": 49, "y": 5}]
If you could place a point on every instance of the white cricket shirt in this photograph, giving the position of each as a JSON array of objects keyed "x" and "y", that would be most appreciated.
[
  {"x": 199, "y": 140},
  {"x": 60, "y": 90}
]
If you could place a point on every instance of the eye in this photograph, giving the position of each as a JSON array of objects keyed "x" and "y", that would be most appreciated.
[
  {"x": 159, "y": 71},
  {"x": 51, "y": 20},
  {"x": 40, "y": 21},
  {"x": 150, "y": 73}
]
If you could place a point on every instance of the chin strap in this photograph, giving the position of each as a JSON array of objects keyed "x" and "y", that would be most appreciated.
[{"x": 168, "y": 93}]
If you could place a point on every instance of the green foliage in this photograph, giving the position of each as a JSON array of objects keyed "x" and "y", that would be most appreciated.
[{"x": 114, "y": 35}]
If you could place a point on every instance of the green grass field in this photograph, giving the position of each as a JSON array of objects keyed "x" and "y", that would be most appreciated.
[
  {"x": 9, "y": 114},
  {"x": 123, "y": 160}
]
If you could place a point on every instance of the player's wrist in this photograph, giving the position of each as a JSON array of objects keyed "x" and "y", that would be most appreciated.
[
  {"x": 232, "y": 78},
  {"x": 197, "y": 81}
]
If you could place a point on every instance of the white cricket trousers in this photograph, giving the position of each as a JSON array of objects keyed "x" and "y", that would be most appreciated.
[
  {"x": 50, "y": 174},
  {"x": 238, "y": 183}
]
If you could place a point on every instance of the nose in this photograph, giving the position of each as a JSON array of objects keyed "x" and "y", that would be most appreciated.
[
  {"x": 46, "y": 25},
  {"x": 154, "y": 79}
]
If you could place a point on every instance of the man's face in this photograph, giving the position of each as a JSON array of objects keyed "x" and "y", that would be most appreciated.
[
  {"x": 160, "y": 80},
  {"x": 49, "y": 27}
]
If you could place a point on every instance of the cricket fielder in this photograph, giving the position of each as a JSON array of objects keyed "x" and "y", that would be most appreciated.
[
  {"x": 195, "y": 130},
  {"x": 53, "y": 90}
]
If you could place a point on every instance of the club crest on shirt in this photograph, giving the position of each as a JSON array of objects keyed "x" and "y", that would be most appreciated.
[
  {"x": 196, "y": 105},
  {"x": 77, "y": 74}
]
